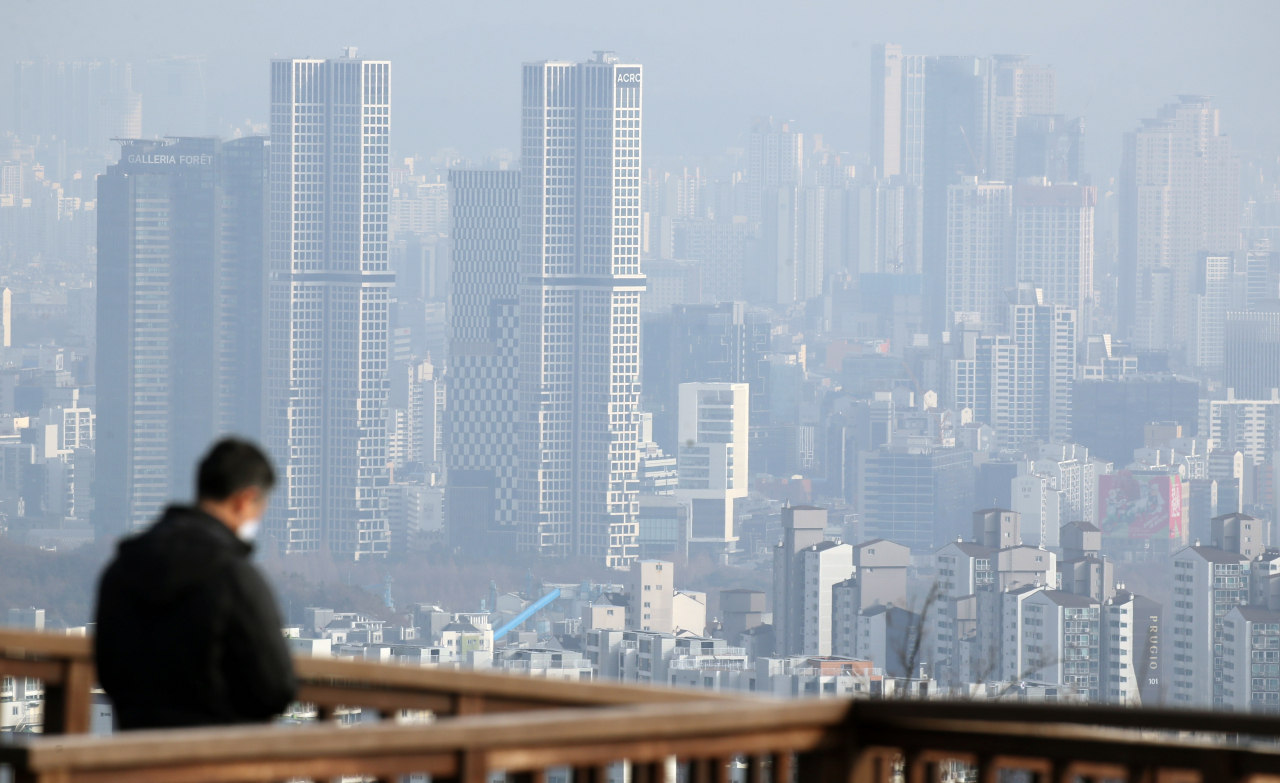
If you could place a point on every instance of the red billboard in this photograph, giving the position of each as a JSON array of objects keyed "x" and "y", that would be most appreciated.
[{"x": 1132, "y": 506}]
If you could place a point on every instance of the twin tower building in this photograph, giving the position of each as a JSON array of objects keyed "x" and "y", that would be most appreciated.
[{"x": 245, "y": 286}]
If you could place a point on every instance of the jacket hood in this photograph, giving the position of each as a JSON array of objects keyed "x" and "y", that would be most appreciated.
[{"x": 177, "y": 555}]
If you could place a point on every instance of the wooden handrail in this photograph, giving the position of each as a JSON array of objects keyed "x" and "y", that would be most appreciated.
[
  {"x": 831, "y": 740},
  {"x": 65, "y": 665}
]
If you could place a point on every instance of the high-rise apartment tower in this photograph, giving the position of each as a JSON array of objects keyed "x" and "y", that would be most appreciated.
[
  {"x": 580, "y": 223},
  {"x": 328, "y": 340}
]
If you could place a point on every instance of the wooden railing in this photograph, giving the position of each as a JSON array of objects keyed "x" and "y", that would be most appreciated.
[
  {"x": 537, "y": 726},
  {"x": 806, "y": 741},
  {"x": 65, "y": 666}
]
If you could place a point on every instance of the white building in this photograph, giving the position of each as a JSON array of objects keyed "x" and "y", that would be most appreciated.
[
  {"x": 1016, "y": 662},
  {"x": 1208, "y": 583},
  {"x": 712, "y": 428},
  {"x": 888, "y": 636},
  {"x": 1073, "y": 473},
  {"x": 652, "y": 596},
  {"x": 1060, "y": 640},
  {"x": 1246, "y": 426},
  {"x": 329, "y": 339},
  {"x": 1132, "y": 648},
  {"x": 1251, "y": 660},
  {"x": 1020, "y": 383},
  {"x": 822, "y": 566},
  {"x": 1211, "y": 300},
  {"x": 580, "y": 225},
  {"x": 1040, "y": 508}
]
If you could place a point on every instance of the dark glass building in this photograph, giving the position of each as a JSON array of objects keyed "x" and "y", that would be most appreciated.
[{"x": 181, "y": 316}]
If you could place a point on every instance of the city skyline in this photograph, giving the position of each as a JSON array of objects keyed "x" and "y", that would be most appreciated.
[{"x": 946, "y": 380}]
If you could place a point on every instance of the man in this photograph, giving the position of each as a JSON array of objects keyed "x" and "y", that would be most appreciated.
[{"x": 188, "y": 633}]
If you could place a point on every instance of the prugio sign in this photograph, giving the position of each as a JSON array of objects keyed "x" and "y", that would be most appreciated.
[{"x": 628, "y": 77}]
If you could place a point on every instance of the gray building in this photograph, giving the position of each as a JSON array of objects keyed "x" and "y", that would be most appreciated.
[
  {"x": 918, "y": 497},
  {"x": 482, "y": 418},
  {"x": 181, "y": 316},
  {"x": 802, "y": 529},
  {"x": 1251, "y": 354}
]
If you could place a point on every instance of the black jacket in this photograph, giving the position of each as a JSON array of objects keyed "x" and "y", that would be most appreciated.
[{"x": 188, "y": 632}]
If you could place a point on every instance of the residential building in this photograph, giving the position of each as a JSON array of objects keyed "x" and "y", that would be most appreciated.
[
  {"x": 1251, "y": 660},
  {"x": 329, "y": 338},
  {"x": 886, "y": 112},
  {"x": 721, "y": 248},
  {"x": 1248, "y": 426},
  {"x": 1132, "y": 648},
  {"x": 889, "y": 637},
  {"x": 1061, "y": 640},
  {"x": 1211, "y": 299},
  {"x": 1208, "y": 583},
  {"x": 803, "y": 527},
  {"x": 580, "y": 308},
  {"x": 957, "y": 121},
  {"x": 1017, "y": 89},
  {"x": 980, "y": 243},
  {"x": 775, "y": 159},
  {"x": 1021, "y": 382},
  {"x": 1053, "y": 244},
  {"x": 652, "y": 589}
]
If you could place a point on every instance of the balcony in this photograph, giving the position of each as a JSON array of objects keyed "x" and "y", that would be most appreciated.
[{"x": 523, "y": 727}]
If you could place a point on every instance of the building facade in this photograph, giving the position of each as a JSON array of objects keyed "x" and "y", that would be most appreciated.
[
  {"x": 181, "y": 312},
  {"x": 482, "y": 458},
  {"x": 580, "y": 224},
  {"x": 329, "y": 337}
]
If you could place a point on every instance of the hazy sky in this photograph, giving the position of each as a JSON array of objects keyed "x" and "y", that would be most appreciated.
[{"x": 710, "y": 64}]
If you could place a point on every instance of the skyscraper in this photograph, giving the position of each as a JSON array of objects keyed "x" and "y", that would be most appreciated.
[
  {"x": 330, "y": 281},
  {"x": 956, "y": 124},
  {"x": 886, "y": 109},
  {"x": 1179, "y": 195},
  {"x": 1050, "y": 146},
  {"x": 897, "y": 113},
  {"x": 580, "y": 292},
  {"x": 181, "y": 316},
  {"x": 1017, "y": 90},
  {"x": 482, "y": 458},
  {"x": 1053, "y": 245},
  {"x": 979, "y": 251},
  {"x": 1211, "y": 301}
]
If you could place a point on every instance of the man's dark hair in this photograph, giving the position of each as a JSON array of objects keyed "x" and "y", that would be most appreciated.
[{"x": 232, "y": 465}]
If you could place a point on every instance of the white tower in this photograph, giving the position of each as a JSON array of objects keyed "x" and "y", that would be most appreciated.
[
  {"x": 580, "y": 223},
  {"x": 329, "y": 298}
]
